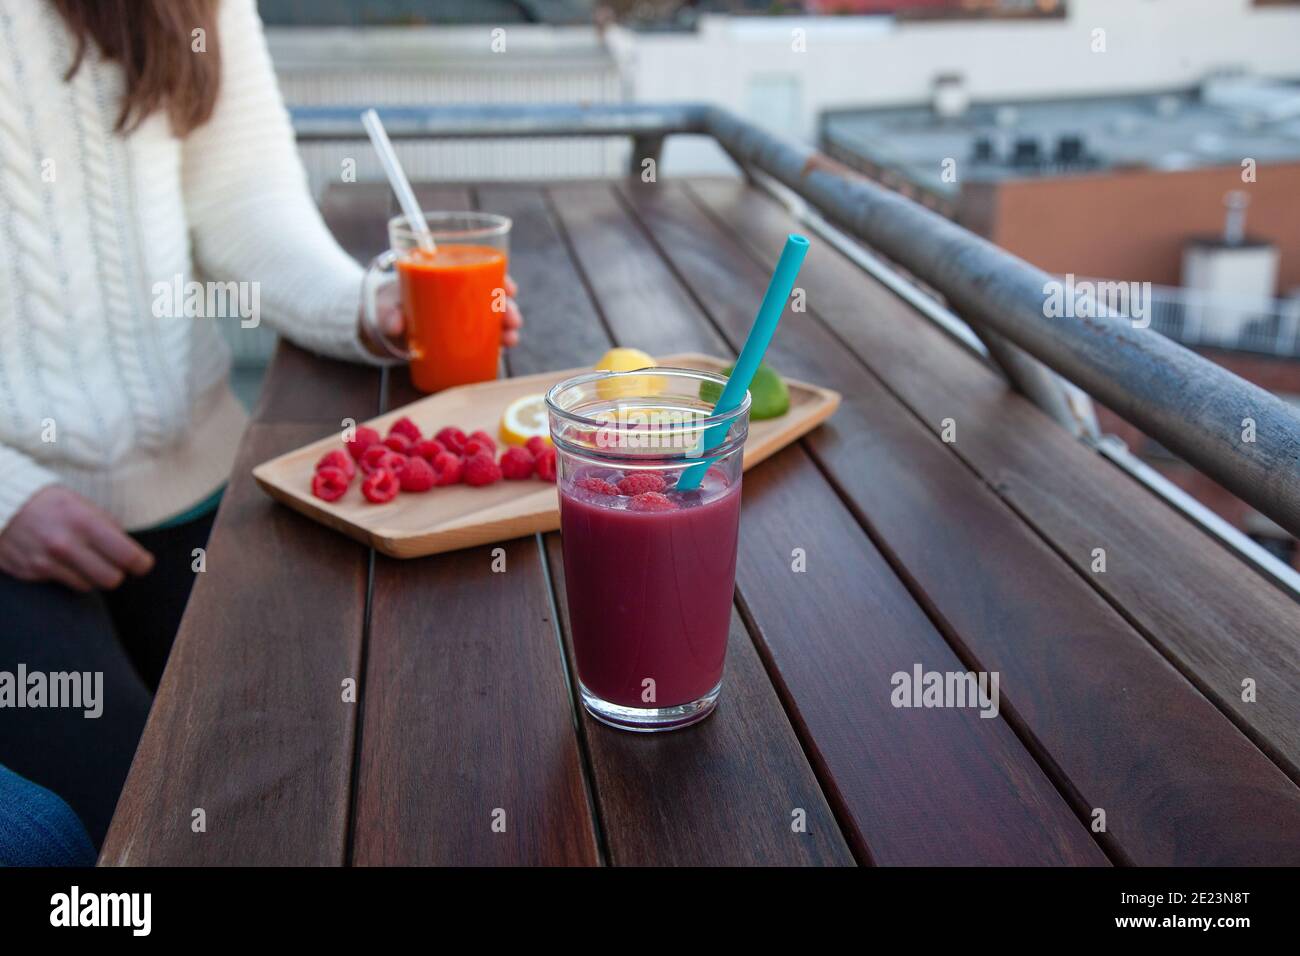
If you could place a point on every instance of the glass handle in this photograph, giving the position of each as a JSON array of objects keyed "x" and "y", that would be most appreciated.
[{"x": 380, "y": 266}]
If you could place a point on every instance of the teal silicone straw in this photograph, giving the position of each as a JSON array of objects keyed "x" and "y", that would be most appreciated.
[{"x": 760, "y": 335}]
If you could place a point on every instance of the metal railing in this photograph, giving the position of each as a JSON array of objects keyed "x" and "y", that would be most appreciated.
[
  {"x": 1240, "y": 435},
  {"x": 1199, "y": 319}
]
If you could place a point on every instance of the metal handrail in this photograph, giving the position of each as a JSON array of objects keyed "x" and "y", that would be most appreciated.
[{"x": 1243, "y": 437}]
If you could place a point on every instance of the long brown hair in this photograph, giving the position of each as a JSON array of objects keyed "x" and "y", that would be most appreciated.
[{"x": 153, "y": 42}]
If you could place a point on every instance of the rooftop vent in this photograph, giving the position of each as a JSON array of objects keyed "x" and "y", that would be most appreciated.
[
  {"x": 950, "y": 99},
  {"x": 1026, "y": 152},
  {"x": 1069, "y": 149}
]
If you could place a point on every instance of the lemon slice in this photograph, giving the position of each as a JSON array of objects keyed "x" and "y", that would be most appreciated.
[
  {"x": 627, "y": 360},
  {"x": 525, "y": 418}
]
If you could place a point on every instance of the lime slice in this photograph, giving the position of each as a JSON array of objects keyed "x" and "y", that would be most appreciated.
[{"x": 769, "y": 396}]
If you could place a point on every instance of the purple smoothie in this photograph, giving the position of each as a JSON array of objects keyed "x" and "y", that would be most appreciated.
[{"x": 650, "y": 592}]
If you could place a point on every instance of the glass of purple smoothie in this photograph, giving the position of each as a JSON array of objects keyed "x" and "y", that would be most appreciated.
[{"x": 649, "y": 569}]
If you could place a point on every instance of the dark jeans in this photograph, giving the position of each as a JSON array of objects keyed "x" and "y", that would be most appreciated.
[
  {"x": 37, "y": 828},
  {"x": 126, "y": 634}
]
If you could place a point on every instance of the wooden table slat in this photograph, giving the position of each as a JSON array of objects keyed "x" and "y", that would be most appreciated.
[
  {"x": 468, "y": 724},
  {"x": 468, "y": 753},
  {"x": 250, "y": 724}
]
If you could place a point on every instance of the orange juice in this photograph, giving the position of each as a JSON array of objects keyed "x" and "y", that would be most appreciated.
[{"x": 453, "y": 301}]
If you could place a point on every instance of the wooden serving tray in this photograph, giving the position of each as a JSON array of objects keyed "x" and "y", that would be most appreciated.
[{"x": 446, "y": 519}]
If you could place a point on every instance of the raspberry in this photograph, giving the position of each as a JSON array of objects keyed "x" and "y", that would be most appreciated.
[
  {"x": 480, "y": 441},
  {"x": 446, "y": 469},
  {"x": 480, "y": 470},
  {"x": 428, "y": 449},
  {"x": 453, "y": 439},
  {"x": 329, "y": 483},
  {"x": 380, "y": 485},
  {"x": 537, "y": 444},
  {"x": 416, "y": 475},
  {"x": 652, "y": 501},
  {"x": 381, "y": 456},
  {"x": 545, "y": 465},
  {"x": 363, "y": 439},
  {"x": 597, "y": 486},
  {"x": 398, "y": 443},
  {"x": 517, "y": 464},
  {"x": 370, "y": 463},
  {"x": 370, "y": 458},
  {"x": 338, "y": 459},
  {"x": 640, "y": 482},
  {"x": 406, "y": 428}
]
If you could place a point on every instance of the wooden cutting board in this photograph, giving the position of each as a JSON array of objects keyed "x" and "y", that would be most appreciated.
[{"x": 446, "y": 519}]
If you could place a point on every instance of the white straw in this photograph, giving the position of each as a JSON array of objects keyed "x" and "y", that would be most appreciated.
[{"x": 397, "y": 178}]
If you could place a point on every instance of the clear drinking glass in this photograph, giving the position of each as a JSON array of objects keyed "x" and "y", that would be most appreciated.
[
  {"x": 649, "y": 567},
  {"x": 452, "y": 298}
]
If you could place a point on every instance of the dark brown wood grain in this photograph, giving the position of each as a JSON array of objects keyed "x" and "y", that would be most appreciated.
[
  {"x": 642, "y": 303},
  {"x": 1120, "y": 728},
  {"x": 992, "y": 806},
  {"x": 358, "y": 214},
  {"x": 562, "y": 328},
  {"x": 722, "y": 793},
  {"x": 250, "y": 724},
  {"x": 938, "y": 786},
  {"x": 287, "y": 395},
  {"x": 1215, "y": 618},
  {"x": 468, "y": 719}
]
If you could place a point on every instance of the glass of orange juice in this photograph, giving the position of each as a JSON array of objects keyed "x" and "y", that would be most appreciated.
[{"x": 453, "y": 296}]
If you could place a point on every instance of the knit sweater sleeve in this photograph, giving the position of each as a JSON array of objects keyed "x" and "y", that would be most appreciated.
[
  {"x": 250, "y": 212},
  {"x": 23, "y": 477}
]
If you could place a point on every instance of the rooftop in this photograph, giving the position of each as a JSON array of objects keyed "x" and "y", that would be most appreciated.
[{"x": 1214, "y": 125}]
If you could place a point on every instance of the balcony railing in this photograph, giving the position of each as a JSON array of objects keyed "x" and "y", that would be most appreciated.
[{"x": 1201, "y": 320}]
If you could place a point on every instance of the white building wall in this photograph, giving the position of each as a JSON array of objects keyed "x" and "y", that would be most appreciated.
[{"x": 751, "y": 65}]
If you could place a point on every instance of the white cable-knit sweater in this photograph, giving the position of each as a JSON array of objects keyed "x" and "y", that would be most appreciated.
[{"x": 96, "y": 391}]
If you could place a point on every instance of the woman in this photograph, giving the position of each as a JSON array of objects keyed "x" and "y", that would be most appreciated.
[{"x": 141, "y": 142}]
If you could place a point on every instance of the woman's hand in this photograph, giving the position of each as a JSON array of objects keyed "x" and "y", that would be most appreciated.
[
  {"x": 512, "y": 320},
  {"x": 60, "y": 536},
  {"x": 389, "y": 309}
]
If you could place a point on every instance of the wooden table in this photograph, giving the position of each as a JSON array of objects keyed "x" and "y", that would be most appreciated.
[{"x": 1122, "y": 738}]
